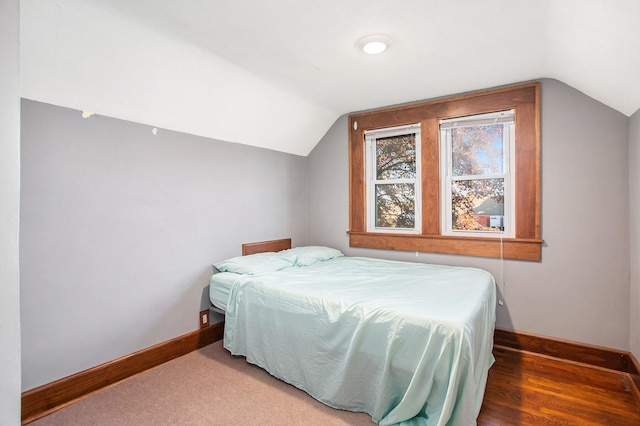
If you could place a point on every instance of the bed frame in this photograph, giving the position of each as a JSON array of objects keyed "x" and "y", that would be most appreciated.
[{"x": 265, "y": 246}]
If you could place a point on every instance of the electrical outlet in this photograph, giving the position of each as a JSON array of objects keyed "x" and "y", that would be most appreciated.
[{"x": 204, "y": 318}]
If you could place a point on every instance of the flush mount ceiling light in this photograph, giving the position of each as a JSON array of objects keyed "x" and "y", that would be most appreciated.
[{"x": 373, "y": 44}]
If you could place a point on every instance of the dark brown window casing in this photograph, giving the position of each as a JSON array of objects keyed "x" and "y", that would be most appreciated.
[{"x": 527, "y": 242}]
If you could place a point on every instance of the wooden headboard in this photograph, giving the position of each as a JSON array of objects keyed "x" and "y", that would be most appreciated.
[{"x": 263, "y": 246}]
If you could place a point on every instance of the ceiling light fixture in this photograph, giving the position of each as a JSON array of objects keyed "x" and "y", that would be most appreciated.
[{"x": 373, "y": 44}]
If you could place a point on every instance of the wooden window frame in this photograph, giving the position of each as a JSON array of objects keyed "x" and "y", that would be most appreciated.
[{"x": 527, "y": 242}]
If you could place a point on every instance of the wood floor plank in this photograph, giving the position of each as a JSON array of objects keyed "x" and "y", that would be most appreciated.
[{"x": 528, "y": 389}]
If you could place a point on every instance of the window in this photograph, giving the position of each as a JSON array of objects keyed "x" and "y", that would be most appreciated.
[
  {"x": 393, "y": 181},
  {"x": 454, "y": 176},
  {"x": 476, "y": 174}
]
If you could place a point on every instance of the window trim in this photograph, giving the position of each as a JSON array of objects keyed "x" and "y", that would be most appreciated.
[{"x": 527, "y": 242}]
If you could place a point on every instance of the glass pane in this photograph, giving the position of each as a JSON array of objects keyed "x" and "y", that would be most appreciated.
[
  {"x": 395, "y": 205},
  {"x": 396, "y": 157},
  {"x": 477, "y": 150},
  {"x": 478, "y": 205}
]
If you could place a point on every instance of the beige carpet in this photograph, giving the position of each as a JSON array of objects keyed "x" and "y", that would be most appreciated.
[{"x": 206, "y": 387}]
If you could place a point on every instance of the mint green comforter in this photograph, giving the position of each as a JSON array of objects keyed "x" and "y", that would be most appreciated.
[{"x": 408, "y": 343}]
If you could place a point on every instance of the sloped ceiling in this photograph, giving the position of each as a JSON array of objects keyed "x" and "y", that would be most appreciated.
[{"x": 276, "y": 74}]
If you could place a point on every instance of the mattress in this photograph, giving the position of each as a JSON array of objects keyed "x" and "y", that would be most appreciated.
[
  {"x": 408, "y": 343},
  {"x": 220, "y": 286}
]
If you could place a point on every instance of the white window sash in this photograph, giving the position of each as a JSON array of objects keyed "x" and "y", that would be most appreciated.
[
  {"x": 371, "y": 181},
  {"x": 503, "y": 117}
]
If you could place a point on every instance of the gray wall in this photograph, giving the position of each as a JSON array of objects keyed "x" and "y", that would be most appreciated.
[
  {"x": 9, "y": 212},
  {"x": 120, "y": 228},
  {"x": 580, "y": 289},
  {"x": 634, "y": 201}
]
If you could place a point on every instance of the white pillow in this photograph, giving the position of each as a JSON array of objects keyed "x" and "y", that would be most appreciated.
[
  {"x": 255, "y": 263},
  {"x": 308, "y": 255}
]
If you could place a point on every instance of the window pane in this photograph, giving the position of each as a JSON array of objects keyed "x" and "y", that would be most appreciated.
[
  {"x": 396, "y": 157},
  {"x": 477, "y": 205},
  {"x": 395, "y": 205},
  {"x": 477, "y": 150}
]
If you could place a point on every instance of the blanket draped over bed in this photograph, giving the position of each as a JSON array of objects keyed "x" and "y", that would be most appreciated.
[{"x": 408, "y": 343}]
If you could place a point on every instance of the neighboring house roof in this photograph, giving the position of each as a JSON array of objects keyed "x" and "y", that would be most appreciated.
[{"x": 489, "y": 207}]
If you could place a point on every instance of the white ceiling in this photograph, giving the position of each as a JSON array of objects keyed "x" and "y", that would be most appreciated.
[{"x": 278, "y": 73}]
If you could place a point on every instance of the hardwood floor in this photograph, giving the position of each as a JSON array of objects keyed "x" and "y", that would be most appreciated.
[{"x": 528, "y": 389}]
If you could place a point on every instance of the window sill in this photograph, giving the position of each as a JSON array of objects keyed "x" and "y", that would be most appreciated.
[{"x": 507, "y": 248}]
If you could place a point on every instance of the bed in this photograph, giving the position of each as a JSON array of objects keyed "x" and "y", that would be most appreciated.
[{"x": 407, "y": 343}]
